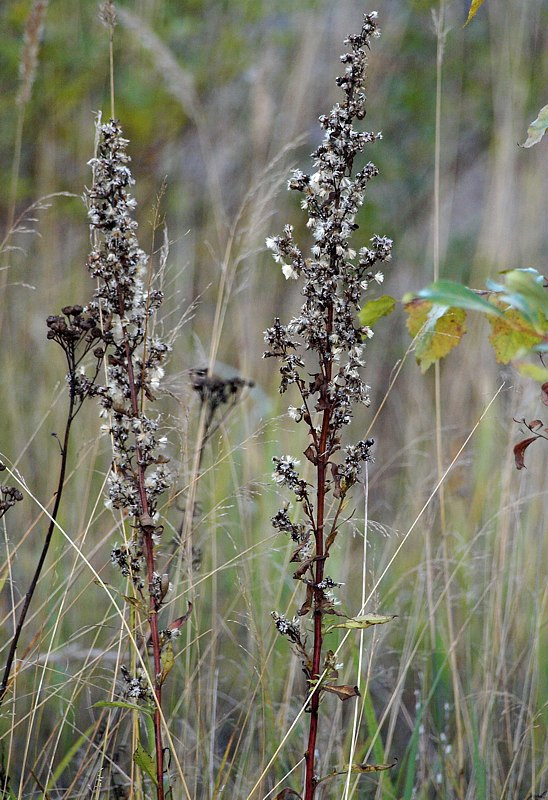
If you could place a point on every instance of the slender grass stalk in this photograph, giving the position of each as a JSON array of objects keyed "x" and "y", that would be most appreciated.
[
  {"x": 27, "y": 74},
  {"x": 335, "y": 277}
]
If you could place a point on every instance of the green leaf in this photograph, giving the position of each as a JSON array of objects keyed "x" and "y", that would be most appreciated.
[
  {"x": 537, "y": 128},
  {"x": 474, "y": 7},
  {"x": 454, "y": 295},
  {"x": 360, "y": 623},
  {"x": 534, "y": 371},
  {"x": 511, "y": 336},
  {"x": 121, "y": 704},
  {"x": 530, "y": 287},
  {"x": 375, "y": 309},
  {"x": 438, "y": 330},
  {"x": 146, "y": 762}
]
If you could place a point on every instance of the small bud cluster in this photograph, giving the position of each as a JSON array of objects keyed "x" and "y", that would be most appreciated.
[
  {"x": 285, "y": 474},
  {"x": 281, "y": 521},
  {"x": 215, "y": 393},
  {"x": 136, "y": 687},
  {"x": 130, "y": 560},
  {"x": 287, "y": 627},
  {"x": 9, "y": 495}
]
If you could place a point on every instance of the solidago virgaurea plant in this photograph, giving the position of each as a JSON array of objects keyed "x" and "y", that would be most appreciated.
[
  {"x": 123, "y": 309},
  {"x": 334, "y": 277}
]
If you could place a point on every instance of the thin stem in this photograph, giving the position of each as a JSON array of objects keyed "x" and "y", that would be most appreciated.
[
  {"x": 45, "y": 548},
  {"x": 323, "y": 459}
]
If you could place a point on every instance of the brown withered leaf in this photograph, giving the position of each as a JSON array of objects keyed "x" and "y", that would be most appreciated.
[
  {"x": 519, "y": 451},
  {"x": 303, "y": 568},
  {"x": 307, "y": 605},
  {"x": 286, "y": 793},
  {"x": 544, "y": 393},
  {"x": 535, "y": 424},
  {"x": 176, "y": 624},
  {"x": 295, "y": 554},
  {"x": 342, "y": 692},
  {"x": 310, "y": 453},
  {"x": 305, "y": 565},
  {"x": 330, "y": 539}
]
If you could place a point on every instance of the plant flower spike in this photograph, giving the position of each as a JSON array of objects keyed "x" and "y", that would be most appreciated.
[
  {"x": 123, "y": 307},
  {"x": 334, "y": 278}
]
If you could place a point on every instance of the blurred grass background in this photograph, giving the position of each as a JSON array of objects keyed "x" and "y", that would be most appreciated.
[{"x": 219, "y": 100}]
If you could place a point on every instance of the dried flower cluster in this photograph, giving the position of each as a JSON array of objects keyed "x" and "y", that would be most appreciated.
[
  {"x": 9, "y": 495},
  {"x": 122, "y": 310},
  {"x": 122, "y": 307},
  {"x": 335, "y": 277}
]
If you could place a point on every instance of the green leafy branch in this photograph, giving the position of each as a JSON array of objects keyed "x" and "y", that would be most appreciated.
[{"x": 516, "y": 308}]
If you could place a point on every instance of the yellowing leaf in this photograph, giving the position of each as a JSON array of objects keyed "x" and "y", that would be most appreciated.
[
  {"x": 511, "y": 336},
  {"x": 537, "y": 128},
  {"x": 145, "y": 761},
  {"x": 375, "y": 309},
  {"x": 168, "y": 660},
  {"x": 534, "y": 371},
  {"x": 365, "y": 621},
  {"x": 358, "y": 768},
  {"x": 438, "y": 330},
  {"x": 372, "y": 767},
  {"x": 474, "y": 7}
]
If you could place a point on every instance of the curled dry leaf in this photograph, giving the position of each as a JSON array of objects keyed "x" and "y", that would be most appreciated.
[
  {"x": 544, "y": 393},
  {"x": 310, "y": 454},
  {"x": 307, "y": 605},
  {"x": 342, "y": 692},
  {"x": 519, "y": 451},
  {"x": 176, "y": 624}
]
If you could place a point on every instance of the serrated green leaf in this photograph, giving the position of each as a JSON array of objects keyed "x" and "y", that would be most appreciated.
[
  {"x": 537, "y": 128},
  {"x": 512, "y": 336},
  {"x": 474, "y": 7},
  {"x": 362, "y": 622},
  {"x": 375, "y": 309},
  {"x": 146, "y": 762},
  {"x": 454, "y": 295}
]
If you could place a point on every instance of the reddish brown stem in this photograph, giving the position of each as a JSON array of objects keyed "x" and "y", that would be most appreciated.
[{"x": 321, "y": 472}]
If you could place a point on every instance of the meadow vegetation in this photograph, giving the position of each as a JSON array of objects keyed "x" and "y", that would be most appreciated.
[{"x": 149, "y": 664}]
